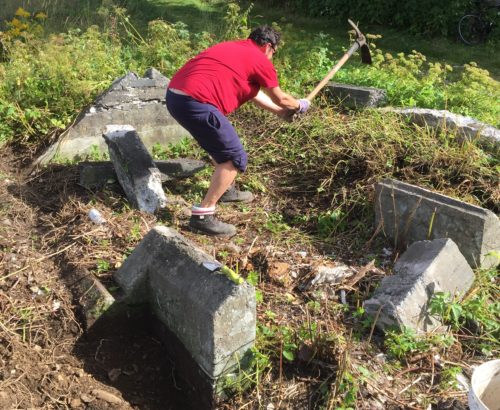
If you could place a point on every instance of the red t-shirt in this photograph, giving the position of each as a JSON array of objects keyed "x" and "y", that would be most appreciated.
[{"x": 226, "y": 75}]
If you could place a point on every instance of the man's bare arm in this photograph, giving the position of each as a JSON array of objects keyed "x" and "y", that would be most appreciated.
[
  {"x": 282, "y": 99},
  {"x": 263, "y": 100}
]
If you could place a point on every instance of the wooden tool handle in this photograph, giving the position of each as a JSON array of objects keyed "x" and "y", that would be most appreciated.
[{"x": 332, "y": 72}]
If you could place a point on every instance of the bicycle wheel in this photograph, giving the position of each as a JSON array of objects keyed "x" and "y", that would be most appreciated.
[{"x": 471, "y": 29}]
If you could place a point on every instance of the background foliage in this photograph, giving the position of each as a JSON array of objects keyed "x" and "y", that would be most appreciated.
[
  {"x": 420, "y": 16},
  {"x": 47, "y": 78}
]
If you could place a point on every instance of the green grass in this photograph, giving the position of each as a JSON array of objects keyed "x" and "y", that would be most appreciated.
[
  {"x": 440, "y": 49},
  {"x": 199, "y": 15},
  {"x": 207, "y": 15},
  {"x": 62, "y": 13}
]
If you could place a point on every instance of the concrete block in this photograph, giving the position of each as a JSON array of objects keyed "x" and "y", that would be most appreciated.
[
  {"x": 425, "y": 268},
  {"x": 97, "y": 174},
  {"x": 353, "y": 96},
  {"x": 135, "y": 169},
  {"x": 406, "y": 213},
  {"x": 208, "y": 314},
  {"x": 467, "y": 128},
  {"x": 129, "y": 100},
  {"x": 92, "y": 296}
]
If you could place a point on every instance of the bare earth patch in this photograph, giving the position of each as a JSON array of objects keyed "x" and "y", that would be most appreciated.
[{"x": 49, "y": 361}]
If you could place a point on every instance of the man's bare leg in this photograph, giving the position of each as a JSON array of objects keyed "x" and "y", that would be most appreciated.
[
  {"x": 222, "y": 178},
  {"x": 202, "y": 216}
]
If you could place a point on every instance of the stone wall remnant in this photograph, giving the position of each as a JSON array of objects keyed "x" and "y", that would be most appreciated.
[
  {"x": 135, "y": 169},
  {"x": 465, "y": 127},
  {"x": 356, "y": 97},
  {"x": 130, "y": 99},
  {"x": 96, "y": 174},
  {"x": 427, "y": 267},
  {"x": 211, "y": 316},
  {"x": 406, "y": 213}
]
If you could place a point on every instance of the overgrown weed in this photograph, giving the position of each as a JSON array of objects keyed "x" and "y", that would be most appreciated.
[
  {"x": 332, "y": 160},
  {"x": 47, "y": 79}
]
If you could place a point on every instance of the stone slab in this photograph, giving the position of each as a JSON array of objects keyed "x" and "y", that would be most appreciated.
[
  {"x": 465, "y": 127},
  {"x": 406, "y": 213},
  {"x": 425, "y": 268},
  {"x": 353, "y": 96},
  {"x": 135, "y": 169},
  {"x": 212, "y": 317},
  {"x": 96, "y": 174},
  {"x": 139, "y": 101},
  {"x": 92, "y": 296}
]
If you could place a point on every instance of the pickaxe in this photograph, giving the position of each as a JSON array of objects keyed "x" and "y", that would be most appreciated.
[{"x": 366, "y": 58}]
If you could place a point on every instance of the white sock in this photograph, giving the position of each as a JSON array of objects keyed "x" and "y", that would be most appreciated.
[{"x": 198, "y": 211}]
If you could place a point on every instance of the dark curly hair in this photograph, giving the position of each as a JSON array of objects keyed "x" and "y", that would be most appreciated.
[{"x": 265, "y": 34}]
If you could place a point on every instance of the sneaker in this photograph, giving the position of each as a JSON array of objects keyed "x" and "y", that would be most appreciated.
[
  {"x": 210, "y": 225},
  {"x": 235, "y": 195}
]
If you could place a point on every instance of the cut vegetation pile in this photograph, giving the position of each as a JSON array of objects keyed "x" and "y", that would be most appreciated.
[{"x": 314, "y": 181}]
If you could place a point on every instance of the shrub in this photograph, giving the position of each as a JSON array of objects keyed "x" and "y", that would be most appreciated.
[
  {"x": 420, "y": 16},
  {"x": 47, "y": 81},
  {"x": 408, "y": 79}
]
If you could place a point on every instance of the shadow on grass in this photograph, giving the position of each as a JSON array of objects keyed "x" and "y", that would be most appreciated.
[
  {"x": 198, "y": 15},
  {"x": 119, "y": 351},
  {"x": 438, "y": 49}
]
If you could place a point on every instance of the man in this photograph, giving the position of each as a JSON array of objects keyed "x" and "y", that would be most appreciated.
[{"x": 212, "y": 85}]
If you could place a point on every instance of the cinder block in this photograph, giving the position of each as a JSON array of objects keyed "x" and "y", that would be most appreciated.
[
  {"x": 135, "y": 169},
  {"x": 406, "y": 213},
  {"x": 353, "y": 96},
  {"x": 212, "y": 317},
  {"x": 96, "y": 174},
  {"x": 425, "y": 268}
]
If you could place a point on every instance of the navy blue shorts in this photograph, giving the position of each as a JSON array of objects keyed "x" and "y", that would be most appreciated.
[{"x": 210, "y": 128}]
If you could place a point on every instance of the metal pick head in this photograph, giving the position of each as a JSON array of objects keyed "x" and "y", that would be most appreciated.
[{"x": 356, "y": 29}]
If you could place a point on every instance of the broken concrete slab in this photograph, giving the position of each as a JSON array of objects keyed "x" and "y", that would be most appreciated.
[
  {"x": 96, "y": 174},
  {"x": 466, "y": 127},
  {"x": 406, "y": 213},
  {"x": 210, "y": 315},
  {"x": 92, "y": 296},
  {"x": 356, "y": 97},
  {"x": 425, "y": 268},
  {"x": 135, "y": 169},
  {"x": 129, "y": 100}
]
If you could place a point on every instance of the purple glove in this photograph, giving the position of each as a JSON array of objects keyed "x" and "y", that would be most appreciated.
[{"x": 303, "y": 105}]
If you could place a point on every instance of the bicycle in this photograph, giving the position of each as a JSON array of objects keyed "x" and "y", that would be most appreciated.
[{"x": 474, "y": 28}]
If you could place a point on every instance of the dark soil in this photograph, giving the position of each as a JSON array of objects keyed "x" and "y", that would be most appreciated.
[
  {"x": 47, "y": 360},
  {"x": 50, "y": 361}
]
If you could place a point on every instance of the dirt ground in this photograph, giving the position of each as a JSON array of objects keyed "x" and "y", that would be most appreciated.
[{"x": 49, "y": 360}]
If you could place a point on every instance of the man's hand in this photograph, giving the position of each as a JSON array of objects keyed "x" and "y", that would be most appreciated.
[
  {"x": 304, "y": 105},
  {"x": 292, "y": 115},
  {"x": 287, "y": 115}
]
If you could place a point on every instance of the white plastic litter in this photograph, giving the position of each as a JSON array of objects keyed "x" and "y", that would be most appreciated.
[
  {"x": 328, "y": 274},
  {"x": 343, "y": 299},
  {"x": 212, "y": 266},
  {"x": 96, "y": 217},
  {"x": 56, "y": 305}
]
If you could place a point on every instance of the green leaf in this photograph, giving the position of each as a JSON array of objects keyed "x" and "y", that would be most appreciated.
[{"x": 288, "y": 355}]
